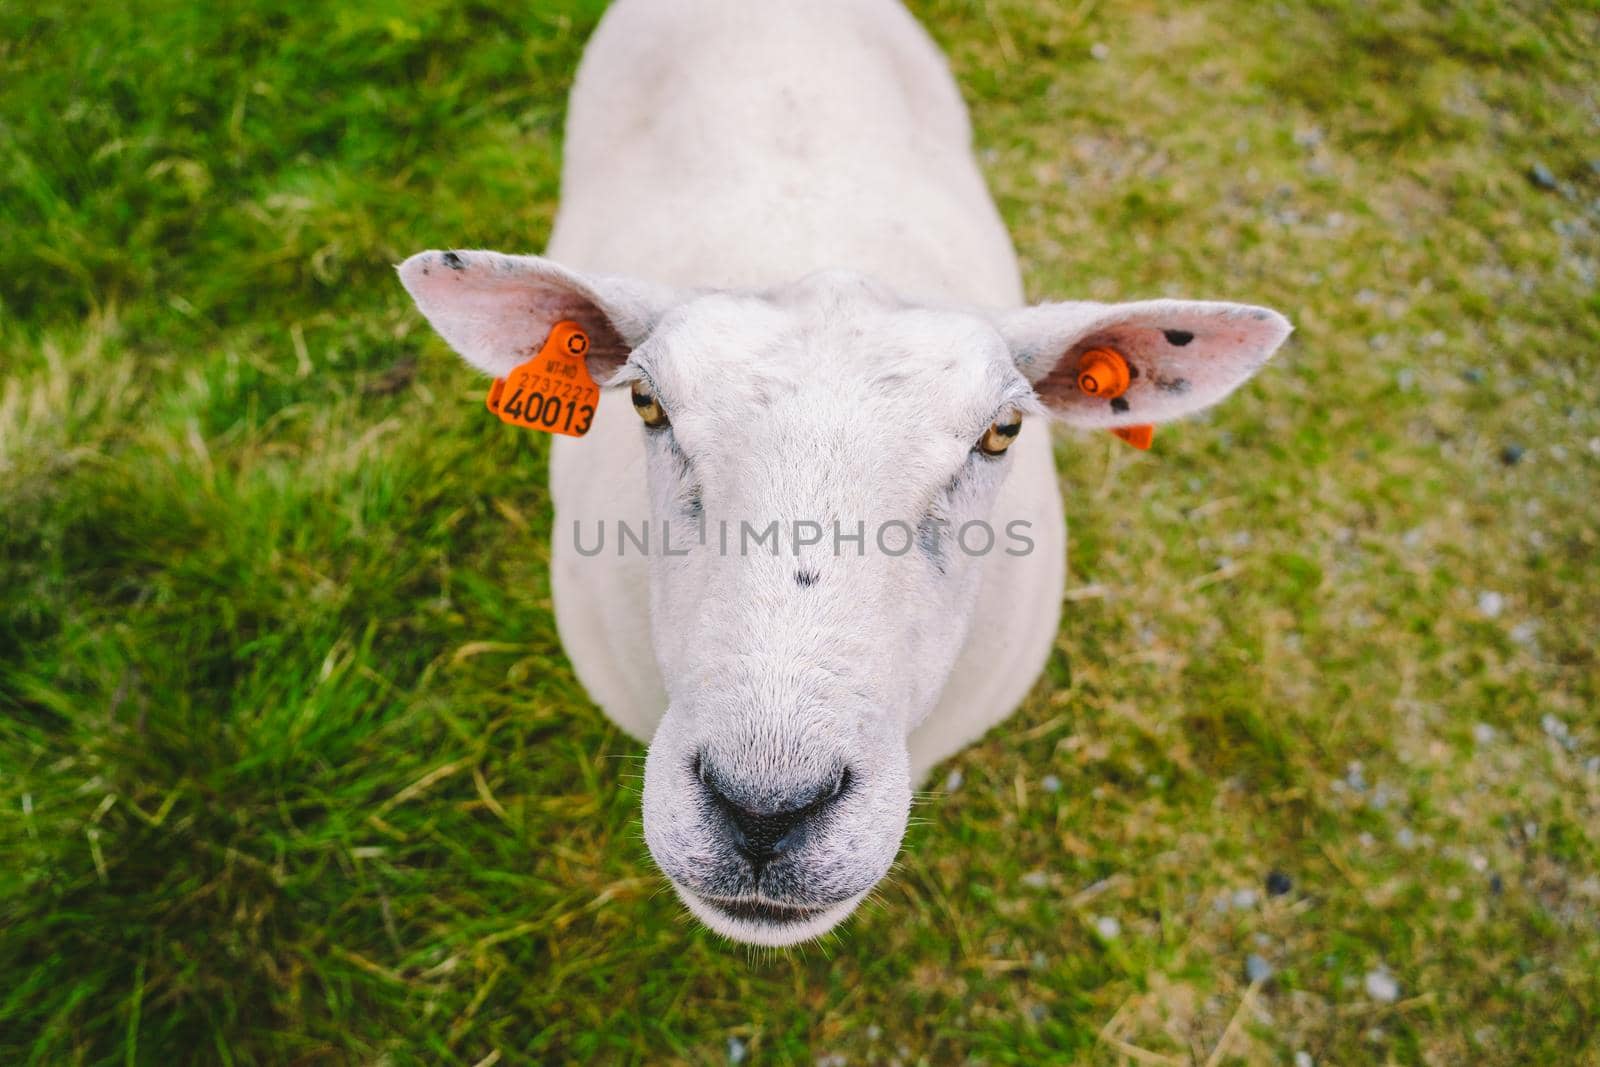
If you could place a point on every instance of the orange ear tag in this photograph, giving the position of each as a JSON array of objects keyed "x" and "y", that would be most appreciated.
[
  {"x": 1103, "y": 373},
  {"x": 553, "y": 392}
]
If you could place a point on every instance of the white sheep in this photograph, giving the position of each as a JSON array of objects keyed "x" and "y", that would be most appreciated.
[{"x": 774, "y": 232}]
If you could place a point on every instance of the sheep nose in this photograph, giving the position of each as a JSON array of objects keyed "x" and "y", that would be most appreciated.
[{"x": 763, "y": 830}]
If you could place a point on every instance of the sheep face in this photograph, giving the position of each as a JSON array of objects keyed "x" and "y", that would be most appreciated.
[{"x": 816, "y": 457}]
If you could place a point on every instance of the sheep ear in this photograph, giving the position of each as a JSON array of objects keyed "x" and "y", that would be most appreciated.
[
  {"x": 1180, "y": 355},
  {"x": 496, "y": 310}
]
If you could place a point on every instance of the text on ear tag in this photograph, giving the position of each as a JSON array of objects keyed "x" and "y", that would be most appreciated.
[{"x": 553, "y": 392}]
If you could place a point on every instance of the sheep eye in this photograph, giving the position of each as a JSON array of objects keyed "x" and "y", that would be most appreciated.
[
  {"x": 998, "y": 437},
  {"x": 646, "y": 404}
]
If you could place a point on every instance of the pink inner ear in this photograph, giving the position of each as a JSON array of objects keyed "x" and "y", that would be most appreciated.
[
  {"x": 1178, "y": 362},
  {"x": 497, "y": 310}
]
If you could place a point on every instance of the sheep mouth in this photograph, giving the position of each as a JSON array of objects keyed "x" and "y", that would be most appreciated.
[{"x": 762, "y": 910}]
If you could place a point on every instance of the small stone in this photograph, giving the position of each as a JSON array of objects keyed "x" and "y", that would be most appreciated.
[
  {"x": 1035, "y": 879},
  {"x": 1308, "y": 138},
  {"x": 1491, "y": 604},
  {"x": 1303, "y": 1059},
  {"x": 1541, "y": 176},
  {"x": 1355, "y": 776},
  {"x": 1472, "y": 376},
  {"x": 1050, "y": 783},
  {"x": 1524, "y": 633},
  {"x": 1382, "y": 987},
  {"x": 1278, "y": 884},
  {"x": 1107, "y": 927},
  {"x": 1100, "y": 51},
  {"x": 1483, "y": 733},
  {"x": 1256, "y": 969},
  {"x": 1553, "y": 727},
  {"x": 1511, "y": 455},
  {"x": 952, "y": 781},
  {"x": 874, "y": 1031},
  {"x": 1405, "y": 838},
  {"x": 1244, "y": 899},
  {"x": 736, "y": 1051}
]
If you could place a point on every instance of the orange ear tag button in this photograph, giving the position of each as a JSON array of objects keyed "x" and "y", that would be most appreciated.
[
  {"x": 1103, "y": 374},
  {"x": 553, "y": 392}
]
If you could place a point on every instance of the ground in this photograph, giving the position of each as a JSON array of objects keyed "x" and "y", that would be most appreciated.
[{"x": 292, "y": 769}]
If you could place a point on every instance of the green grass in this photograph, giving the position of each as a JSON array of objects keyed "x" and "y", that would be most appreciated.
[{"x": 292, "y": 769}]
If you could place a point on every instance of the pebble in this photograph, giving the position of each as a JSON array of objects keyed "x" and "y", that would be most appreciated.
[
  {"x": 1256, "y": 969},
  {"x": 952, "y": 781},
  {"x": 1541, "y": 176},
  {"x": 1405, "y": 838},
  {"x": 1107, "y": 927},
  {"x": 1553, "y": 727},
  {"x": 1035, "y": 879},
  {"x": 1099, "y": 50},
  {"x": 1472, "y": 376},
  {"x": 1511, "y": 455},
  {"x": 1308, "y": 138},
  {"x": 1278, "y": 884},
  {"x": 1491, "y": 604},
  {"x": 1382, "y": 987},
  {"x": 874, "y": 1032},
  {"x": 736, "y": 1051},
  {"x": 1303, "y": 1059},
  {"x": 1051, "y": 783},
  {"x": 1244, "y": 899},
  {"x": 1483, "y": 733},
  {"x": 1355, "y": 776}
]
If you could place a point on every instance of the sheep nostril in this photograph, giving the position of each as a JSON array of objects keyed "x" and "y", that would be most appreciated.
[{"x": 762, "y": 830}]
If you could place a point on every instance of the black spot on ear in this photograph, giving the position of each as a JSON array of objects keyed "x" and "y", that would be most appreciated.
[
  {"x": 1178, "y": 337},
  {"x": 1119, "y": 404},
  {"x": 806, "y": 579},
  {"x": 453, "y": 261},
  {"x": 1133, "y": 372},
  {"x": 425, "y": 272}
]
